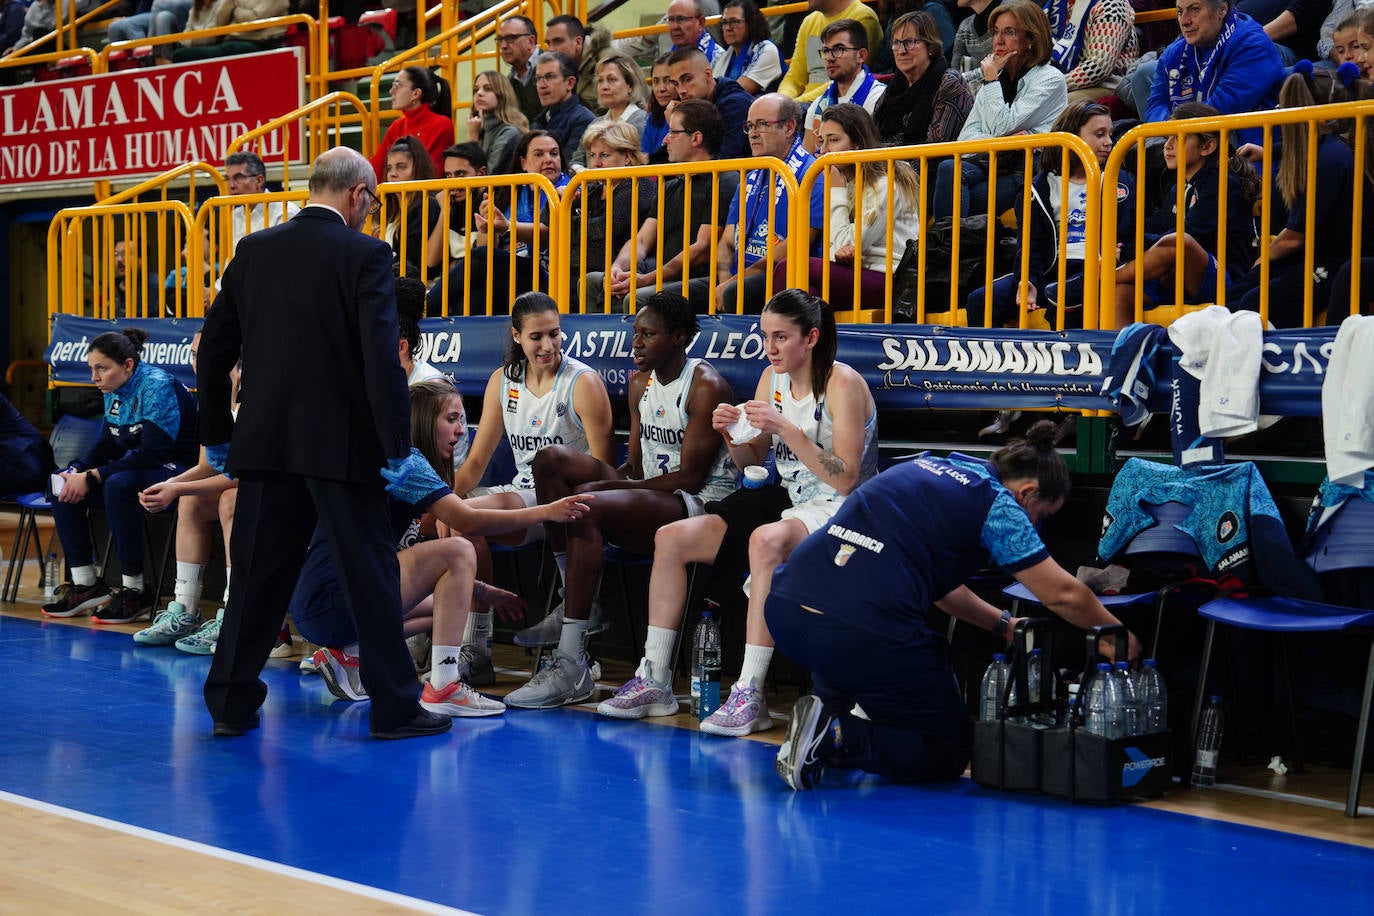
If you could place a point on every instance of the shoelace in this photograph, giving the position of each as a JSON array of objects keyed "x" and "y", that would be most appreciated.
[{"x": 632, "y": 686}]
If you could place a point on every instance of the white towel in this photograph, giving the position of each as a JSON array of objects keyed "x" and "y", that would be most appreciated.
[
  {"x": 1223, "y": 350},
  {"x": 1347, "y": 402}
]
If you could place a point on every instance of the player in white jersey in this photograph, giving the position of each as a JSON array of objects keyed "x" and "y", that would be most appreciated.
[
  {"x": 675, "y": 464},
  {"x": 541, "y": 398},
  {"x": 824, "y": 450}
]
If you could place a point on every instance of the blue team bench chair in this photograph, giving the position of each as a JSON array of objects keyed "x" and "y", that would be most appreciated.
[
  {"x": 1344, "y": 543},
  {"x": 26, "y": 533}
]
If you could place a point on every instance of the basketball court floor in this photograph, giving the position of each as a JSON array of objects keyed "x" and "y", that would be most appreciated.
[{"x": 558, "y": 811}]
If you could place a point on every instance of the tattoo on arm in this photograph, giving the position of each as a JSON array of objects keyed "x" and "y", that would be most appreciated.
[{"x": 833, "y": 464}]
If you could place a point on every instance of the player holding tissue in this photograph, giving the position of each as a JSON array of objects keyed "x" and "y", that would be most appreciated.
[{"x": 818, "y": 418}]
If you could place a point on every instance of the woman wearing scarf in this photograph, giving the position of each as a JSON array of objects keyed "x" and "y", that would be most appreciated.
[
  {"x": 1094, "y": 44},
  {"x": 926, "y": 101},
  {"x": 1223, "y": 59}
]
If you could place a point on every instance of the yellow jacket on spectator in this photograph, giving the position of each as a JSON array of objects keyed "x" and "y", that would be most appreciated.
[{"x": 806, "y": 77}]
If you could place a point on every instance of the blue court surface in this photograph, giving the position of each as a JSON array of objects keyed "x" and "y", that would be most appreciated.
[{"x": 564, "y": 811}]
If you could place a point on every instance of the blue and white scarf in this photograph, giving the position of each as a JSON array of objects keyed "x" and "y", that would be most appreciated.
[
  {"x": 706, "y": 44},
  {"x": 859, "y": 96},
  {"x": 742, "y": 60},
  {"x": 1067, "y": 28},
  {"x": 1194, "y": 79},
  {"x": 755, "y": 190}
]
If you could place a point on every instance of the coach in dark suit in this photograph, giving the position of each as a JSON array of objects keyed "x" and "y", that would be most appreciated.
[{"x": 311, "y": 306}]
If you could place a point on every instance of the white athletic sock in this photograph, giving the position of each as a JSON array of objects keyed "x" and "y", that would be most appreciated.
[
  {"x": 477, "y": 633},
  {"x": 83, "y": 575},
  {"x": 443, "y": 666},
  {"x": 755, "y": 668},
  {"x": 573, "y": 637},
  {"x": 560, "y": 557},
  {"x": 189, "y": 585},
  {"x": 133, "y": 582},
  {"x": 658, "y": 651}
]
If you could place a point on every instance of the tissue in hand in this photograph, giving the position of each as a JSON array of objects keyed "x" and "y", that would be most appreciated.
[{"x": 740, "y": 431}]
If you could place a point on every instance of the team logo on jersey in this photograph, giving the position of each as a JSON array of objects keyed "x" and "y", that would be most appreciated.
[
  {"x": 1227, "y": 526},
  {"x": 536, "y": 422},
  {"x": 512, "y": 398},
  {"x": 561, "y": 410},
  {"x": 1107, "y": 521},
  {"x": 844, "y": 553},
  {"x": 661, "y": 412}
]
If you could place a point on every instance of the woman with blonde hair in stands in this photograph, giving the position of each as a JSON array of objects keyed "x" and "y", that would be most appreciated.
[
  {"x": 608, "y": 145},
  {"x": 621, "y": 89},
  {"x": 497, "y": 122}
]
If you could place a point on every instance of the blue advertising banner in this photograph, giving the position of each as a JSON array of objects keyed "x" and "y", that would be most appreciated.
[{"x": 907, "y": 366}]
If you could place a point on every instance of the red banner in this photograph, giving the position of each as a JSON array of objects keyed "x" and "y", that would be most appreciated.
[{"x": 143, "y": 122}]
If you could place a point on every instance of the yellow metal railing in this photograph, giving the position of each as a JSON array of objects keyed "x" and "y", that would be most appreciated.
[
  {"x": 1133, "y": 145},
  {"x": 320, "y": 124},
  {"x": 83, "y": 278},
  {"x": 219, "y": 225},
  {"x": 64, "y": 32},
  {"x": 577, "y": 195},
  {"x": 166, "y": 184}
]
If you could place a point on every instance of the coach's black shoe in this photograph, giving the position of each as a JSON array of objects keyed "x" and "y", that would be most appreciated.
[
  {"x": 424, "y": 723},
  {"x": 235, "y": 729}
]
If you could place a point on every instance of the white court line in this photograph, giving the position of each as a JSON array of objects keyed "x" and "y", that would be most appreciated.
[{"x": 267, "y": 865}]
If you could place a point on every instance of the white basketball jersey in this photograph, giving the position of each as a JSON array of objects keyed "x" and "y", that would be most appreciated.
[
  {"x": 815, "y": 420},
  {"x": 533, "y": 422},
  {"x": 663, "y": 426}
]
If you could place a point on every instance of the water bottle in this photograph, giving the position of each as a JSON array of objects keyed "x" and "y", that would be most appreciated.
[
  {"x": 51, "y": 570},
  {"x": 1208, "y": 744},
  {"x": 1154, "y": 702},
  {"x": 1102, "y": 716},
  {"x": 994, "y": 687},
  {"x": 706, "y": 665},
  {"x": 1131, "y": 717},
  {"x": 1035, "y": 661}
]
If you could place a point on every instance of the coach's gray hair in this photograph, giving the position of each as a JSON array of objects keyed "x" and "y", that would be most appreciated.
[{"x": 338, "y": 169}]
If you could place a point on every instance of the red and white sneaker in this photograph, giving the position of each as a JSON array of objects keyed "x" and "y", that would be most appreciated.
[
  {"x": 340, "y": 673},
  {"x": 459, "y": 700}
]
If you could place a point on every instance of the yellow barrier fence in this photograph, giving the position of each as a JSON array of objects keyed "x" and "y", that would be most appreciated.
[
  {"x": 321, "y": 124},
  {"x": 219, "y": 225},
  {"x": 1134, "y": 145}
]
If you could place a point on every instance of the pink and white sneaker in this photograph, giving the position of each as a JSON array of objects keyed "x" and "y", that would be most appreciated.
[
  {"x": 743, "y": 713},
  {"x": 459, "y": 700},
  {"x": 639, "y": 697}
]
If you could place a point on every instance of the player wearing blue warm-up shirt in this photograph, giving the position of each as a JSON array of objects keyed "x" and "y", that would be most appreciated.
[{"x": 850, "y": 604}]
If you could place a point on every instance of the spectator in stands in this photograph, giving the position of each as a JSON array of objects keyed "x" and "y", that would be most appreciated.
[
  {"x": 846, "y": 126},
  {"x": 1363, "y": 53},
  {"x": 164, "y": 17},
  {"x": 585, "y": 44},
  {"x": 564, "y": 116},
  {"x": 1198, "y": 162},
  {"x": 192, "y": 284},
  {"x": 407, "y": 160},
  {"x": 245, "y": 173},
  {"x": 41, "y": 18},
  {"x": 774, "y": 129},
  {"x": 675, "y": 464},
  {"x": 1222, "y": 59},
  {"x": 886, "y": 697},
  {"x": 807, "y": 75},
  {"x": 690, "y": 72},
  {"x": 818, "y": 418},
  {"x": 608, "y": 145},
  {"x": 497, "y": 122},
  {"x": 25, "y": 456},
  {"x": 750, "y": 57},
  {"x": 203, "y": 496},
  {"x": 844, "y": 48},
  {"x": 518, "y": 44},
  {"x": 1022, "y": 94},
  {"x": 542, "y": 398},
  {"x": 538, "y": 154},
  {"x": 973, "y": 40},
  {"x": 1332, "y": 217},
  {"x": 443, "y": 567},
  {"x": 127, "y": 267},
  {"x": 422, "y": 99},
  {"x": 149, "y": 435},
  {"x": 621, "y": 90},
  {"x": 12, "y": 14},
  {"x": 465, "y": 160},
  {"x": 694, "y": 135},
  {"x": 662, "y": 93},
  {"x": 241, "y": 13},
  {"x": 1343, "y": 39},
  {"x": 1093, "y": 123},
  {"x": 1094, "y": 43},
  {"x": 685, "y": 27},
  {"x": 926, "y": 100}
]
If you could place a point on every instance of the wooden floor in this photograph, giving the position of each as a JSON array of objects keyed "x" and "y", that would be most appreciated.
[{"x": 56, "y": 862}]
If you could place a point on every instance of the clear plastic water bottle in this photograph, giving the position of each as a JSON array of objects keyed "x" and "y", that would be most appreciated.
[
  {"x": 1103, "y": 703},
  {"x": 1154, "y": 701},
  {"x": 1208, "y": 744},
  {"x": 993, "y": 689},
  {"x": 1131, "y": 716},
  {"x": 51, "y": 571},
  {"x": 1035, "y": 664},
  {"x": 706, "y": 665}
]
